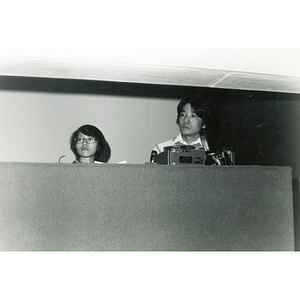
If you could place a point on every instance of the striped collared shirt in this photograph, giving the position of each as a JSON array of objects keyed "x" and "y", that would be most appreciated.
[{"x": 177, "y": 141}]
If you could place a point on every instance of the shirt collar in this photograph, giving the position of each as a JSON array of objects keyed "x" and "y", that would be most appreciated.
[{"x": 178, "y": 139}]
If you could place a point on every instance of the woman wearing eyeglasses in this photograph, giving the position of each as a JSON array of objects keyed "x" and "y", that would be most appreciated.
[{"x": 89, "y": 145}]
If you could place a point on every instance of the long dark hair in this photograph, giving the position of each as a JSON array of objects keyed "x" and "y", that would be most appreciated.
[
  {"x": 204, "y": 109},
  {"x": 89, "y": 130}
]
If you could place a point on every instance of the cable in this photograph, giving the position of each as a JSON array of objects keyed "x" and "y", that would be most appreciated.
[{"x": 68, "y": 157}]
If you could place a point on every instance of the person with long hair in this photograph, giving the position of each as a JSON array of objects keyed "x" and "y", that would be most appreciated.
[{"x": 87, "y": 143}]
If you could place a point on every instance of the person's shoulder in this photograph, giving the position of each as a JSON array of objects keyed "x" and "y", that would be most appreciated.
[
  {"x": 160, "y": 146},
  {"x": 167, "y": 143}
]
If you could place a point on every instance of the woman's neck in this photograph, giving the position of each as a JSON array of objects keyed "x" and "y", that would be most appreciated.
[{"x": 88, "y": 160}]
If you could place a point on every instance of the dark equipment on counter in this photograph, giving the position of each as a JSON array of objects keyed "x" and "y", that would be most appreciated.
[{"x": 177, "y": 155}]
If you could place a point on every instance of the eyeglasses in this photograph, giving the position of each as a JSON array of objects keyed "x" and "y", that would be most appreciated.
[{"x": 89, "y": 140}]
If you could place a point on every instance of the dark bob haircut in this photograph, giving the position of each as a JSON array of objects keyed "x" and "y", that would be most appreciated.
[
  {"x": 204, "y": 110},
  {"x": 89, "y": 130}
]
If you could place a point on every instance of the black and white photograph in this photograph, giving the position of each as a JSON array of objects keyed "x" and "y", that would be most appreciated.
[{"x": 140, "y": 157}]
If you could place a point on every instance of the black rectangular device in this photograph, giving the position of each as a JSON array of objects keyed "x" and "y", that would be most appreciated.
[{"x": 189, "y": 155}]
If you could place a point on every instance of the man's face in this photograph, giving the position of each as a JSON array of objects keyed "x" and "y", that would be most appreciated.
[{"x": 189, "y": 123}]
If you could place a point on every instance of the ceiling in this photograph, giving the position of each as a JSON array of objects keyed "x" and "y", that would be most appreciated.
[{"x": 45, "y": 67}]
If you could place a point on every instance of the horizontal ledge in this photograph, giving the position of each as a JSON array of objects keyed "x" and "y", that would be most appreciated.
[{"x": 145, "y": 74}]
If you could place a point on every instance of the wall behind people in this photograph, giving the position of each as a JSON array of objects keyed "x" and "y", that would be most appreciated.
[
  {"x": 37, "y": 118},
  {"x": 36, "y": 126}
]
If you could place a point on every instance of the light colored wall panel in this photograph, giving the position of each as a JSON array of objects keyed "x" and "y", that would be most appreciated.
[{"x": 36, "y": 127}]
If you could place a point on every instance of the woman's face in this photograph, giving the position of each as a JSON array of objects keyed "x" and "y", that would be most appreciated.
[
  {"x": 189, "y": 123},
  {"x": 86, "y": 148}
]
